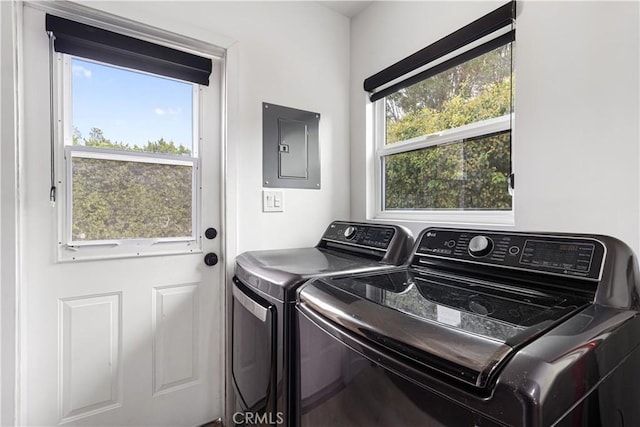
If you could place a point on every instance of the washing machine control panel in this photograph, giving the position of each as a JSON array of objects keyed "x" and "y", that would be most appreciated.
[
  {"x": 375, "y": 237},
  {"x": 559, "y": 255}
]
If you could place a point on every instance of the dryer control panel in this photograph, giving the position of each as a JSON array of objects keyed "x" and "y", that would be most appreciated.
[
  {"x": 577, "y": 257},
  {"x": 370, "y": 236}
]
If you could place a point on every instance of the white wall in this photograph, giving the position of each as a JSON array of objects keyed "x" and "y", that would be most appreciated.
[
  {"x": 8, "y": 215},
  {"x": 294, "y": 54},
  {"x": 576, "y": 135}
]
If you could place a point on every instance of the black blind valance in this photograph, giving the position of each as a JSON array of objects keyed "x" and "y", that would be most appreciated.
[
  {"x": 443, "y": 66},
  {"x": 83, "y": 40},
  {"x": 491, "y": 22}
]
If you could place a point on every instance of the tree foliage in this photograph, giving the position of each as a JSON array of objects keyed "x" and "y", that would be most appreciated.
[
  {"x": 469, "y": 174},
  {"x": 114, "y": 199},
  {"x": 98, "y": 140}
]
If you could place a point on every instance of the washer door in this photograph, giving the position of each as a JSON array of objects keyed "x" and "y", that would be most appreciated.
[{"x": 254, "y": 350}]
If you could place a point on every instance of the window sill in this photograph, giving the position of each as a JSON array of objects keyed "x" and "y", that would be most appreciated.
[
  {"x": 91, "y": 251},
  {"x": 453, "y": 218}
]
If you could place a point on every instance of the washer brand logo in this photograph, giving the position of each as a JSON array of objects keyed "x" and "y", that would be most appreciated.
[{"x": 254, "y": 418}]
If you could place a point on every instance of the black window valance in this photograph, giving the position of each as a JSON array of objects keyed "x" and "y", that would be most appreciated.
[
  {"x": 90, "y": 42},
  {"x": 491, "y": 22}
]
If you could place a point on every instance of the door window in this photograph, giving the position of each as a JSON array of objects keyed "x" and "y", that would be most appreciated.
[
  {"x": 129, "y": 122},
  {"x": 130, "y": 154}
]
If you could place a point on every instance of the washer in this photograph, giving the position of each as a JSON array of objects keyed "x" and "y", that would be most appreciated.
[
  {"x": 498, "y": 329},
  {"x": 264, "y": 302}
]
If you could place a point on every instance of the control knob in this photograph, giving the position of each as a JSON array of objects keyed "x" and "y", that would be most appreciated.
[
  {"x": 350, "y": 232},
  {"x": 480, "y": 246}
]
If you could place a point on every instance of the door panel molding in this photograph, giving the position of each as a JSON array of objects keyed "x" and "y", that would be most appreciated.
[
  {"x": 90, "y": 355},
  {"x": 175, "y": 326}
]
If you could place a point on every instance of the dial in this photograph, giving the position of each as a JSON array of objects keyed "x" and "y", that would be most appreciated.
[
  {"x": 480, "y": 246},
  {"x": 350, "y": 232}
]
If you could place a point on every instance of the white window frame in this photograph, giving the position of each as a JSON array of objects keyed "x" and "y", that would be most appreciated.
[
  {"x": 449, "y": 136},
  {"x": 70, "y": 250}
]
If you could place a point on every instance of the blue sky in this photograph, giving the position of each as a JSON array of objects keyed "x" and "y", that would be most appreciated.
[{"x": 130, "y": 107}]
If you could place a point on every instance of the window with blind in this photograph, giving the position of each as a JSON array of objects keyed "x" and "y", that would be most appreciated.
[
  {"x": 444, "y": 117},
  {"x": 130, "y": 111}
]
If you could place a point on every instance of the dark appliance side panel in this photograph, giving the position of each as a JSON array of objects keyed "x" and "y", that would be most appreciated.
[
  {"x": 256, "y": 364},
  {"x": 614, "y": 402},
  {"x": 578, "y": 366}
]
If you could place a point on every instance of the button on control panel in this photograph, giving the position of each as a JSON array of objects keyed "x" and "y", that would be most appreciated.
[
  {"x": 376, "y": 237},
  {"x": 559, "y": 255}
]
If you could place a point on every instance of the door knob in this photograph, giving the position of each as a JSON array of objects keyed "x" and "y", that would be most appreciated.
[
  {"x": 211, "y": 233},
  {"x": 211, "y": 259}
]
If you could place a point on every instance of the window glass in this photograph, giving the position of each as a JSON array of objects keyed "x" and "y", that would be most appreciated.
[
  {"x": 475, "y": 90},
  {"x": 128, "y": 110},
  {"x": 470, "y": 174},
  {"x": 447, "y": 139},
  {"x": 114, "y": 200},
  {"x": 131, "y": 157}
]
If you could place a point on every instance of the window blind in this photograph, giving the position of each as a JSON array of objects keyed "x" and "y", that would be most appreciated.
[
  {"x": 90, "y": 42},
  {"x": 491, "y": 22}
]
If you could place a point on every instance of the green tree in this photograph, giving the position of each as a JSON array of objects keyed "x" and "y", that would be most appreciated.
[
  {"x": 97, "y": 139},
  {"x": 468, "y": 174},
  {"x": 115, "y": 199},
  {"x": 162, "y": 146},
  {"x": 466, "y": 80}
]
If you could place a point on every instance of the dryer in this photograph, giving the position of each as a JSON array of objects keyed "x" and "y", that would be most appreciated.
[{"x": 264, "y": 303}]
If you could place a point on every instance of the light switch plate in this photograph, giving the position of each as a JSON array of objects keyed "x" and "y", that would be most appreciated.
[{"x": 272, "y": 201}]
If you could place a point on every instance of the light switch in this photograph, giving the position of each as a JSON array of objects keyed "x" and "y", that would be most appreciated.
[{"x": 272, "y": 201}]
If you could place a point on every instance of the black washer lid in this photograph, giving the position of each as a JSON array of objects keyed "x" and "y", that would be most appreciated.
[{"x": 457, "y": 326}]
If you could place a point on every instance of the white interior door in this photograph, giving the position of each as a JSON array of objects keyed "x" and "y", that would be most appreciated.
[{"x": 129, "y": 331}]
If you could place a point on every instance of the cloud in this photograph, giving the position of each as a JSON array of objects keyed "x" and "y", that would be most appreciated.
[
  {"x": 79, "y": 70},
  {"x": 167, "y": 111}
]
